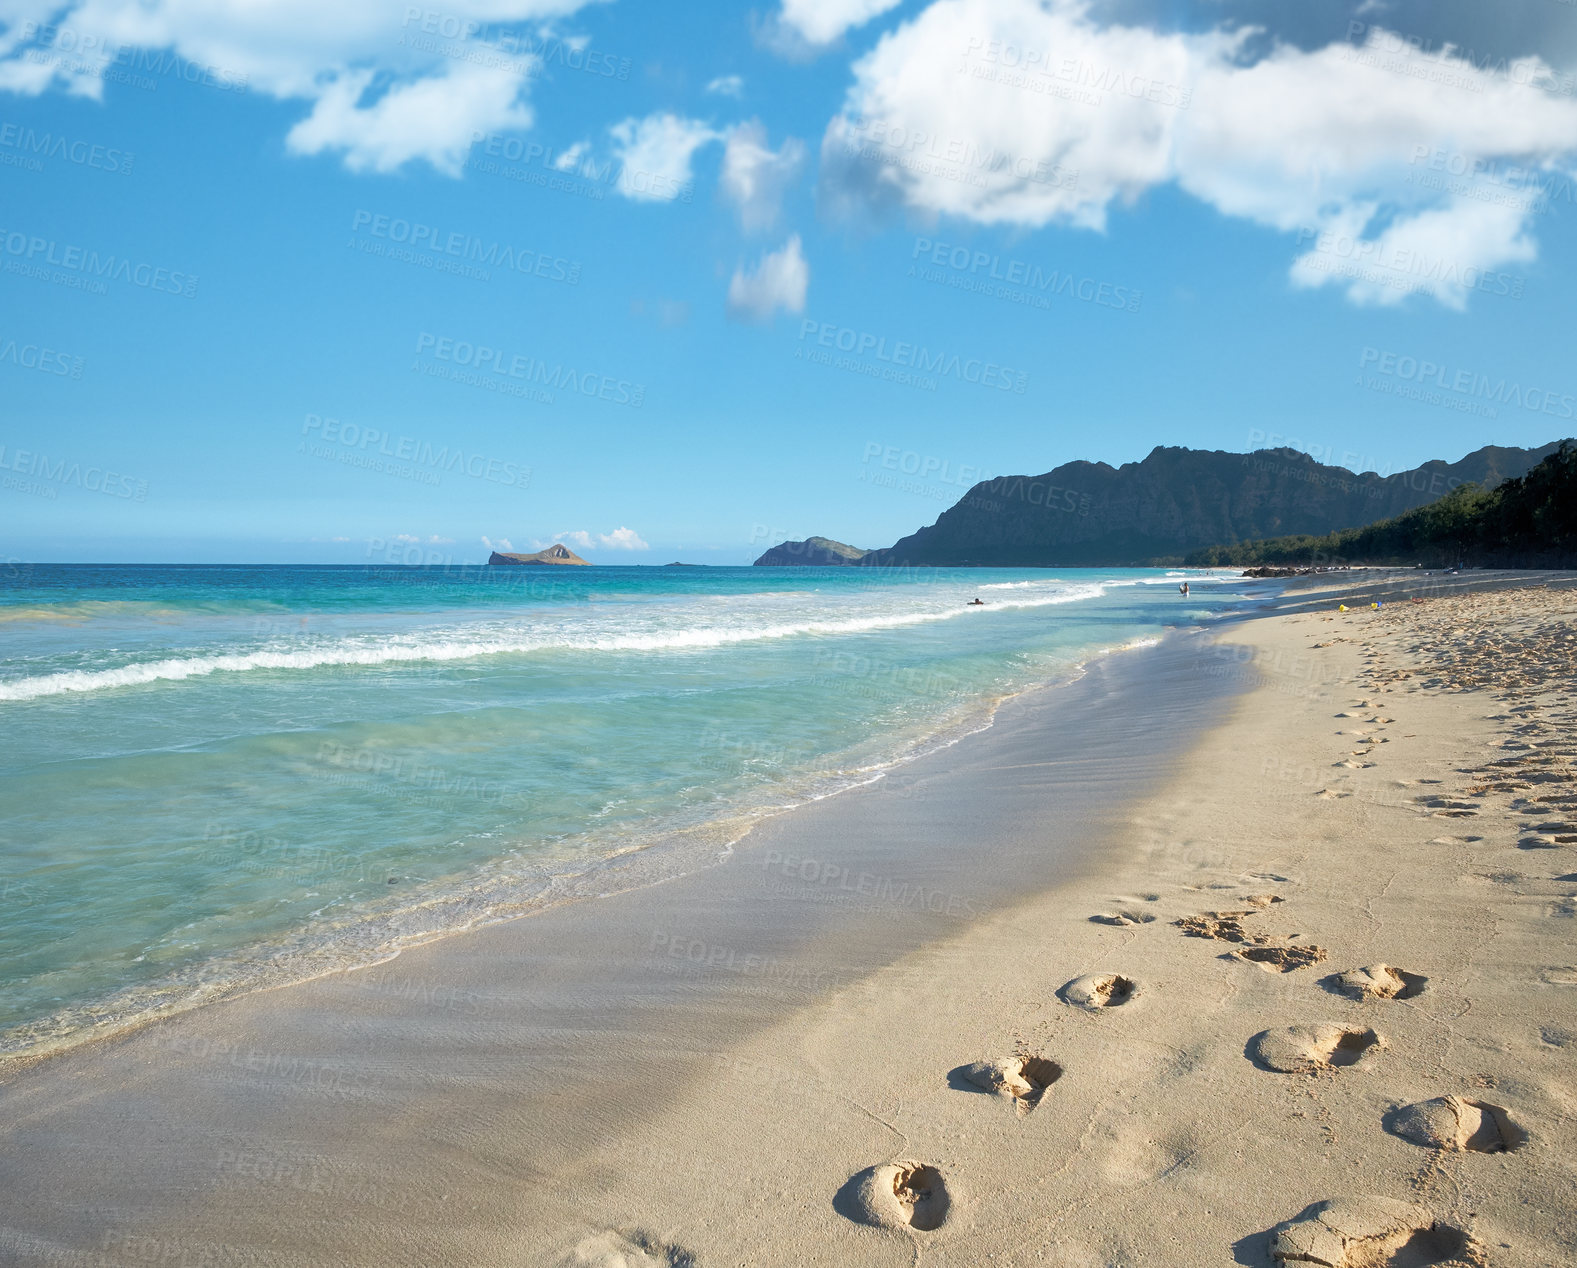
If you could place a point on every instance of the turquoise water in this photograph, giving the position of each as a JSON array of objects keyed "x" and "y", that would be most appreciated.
[{"x": 216, "y": 777}]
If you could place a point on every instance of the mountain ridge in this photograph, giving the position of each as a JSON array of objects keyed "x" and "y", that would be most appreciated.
[{"x": 1169, "y": 504}]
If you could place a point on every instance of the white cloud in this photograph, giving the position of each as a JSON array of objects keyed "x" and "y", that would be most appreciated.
[
  {"x": 1051, "y": 118},
  {"x": 619, "y": 539},
  {"x": 822, "y": 21},
  {"x": 501, "y": 544},
  {"x": 778, "y": 281},
  {"x": 433, "y": 118},
  {"x": 995, "y": 152},
  {"x": 726, "y": 86},
  {"x": 570, "y": 159},
  {"x": 622, "y": 539},
  {"x": 654, "y": 155},
  {"x": 755, "y": 177},
  {"x": 387, "y": 83}
]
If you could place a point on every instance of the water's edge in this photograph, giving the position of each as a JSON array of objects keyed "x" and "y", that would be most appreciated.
[{"x": 495, "y": 893}]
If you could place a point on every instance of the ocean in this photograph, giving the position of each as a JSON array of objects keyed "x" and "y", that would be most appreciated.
[{"x": 217, "y": 778}]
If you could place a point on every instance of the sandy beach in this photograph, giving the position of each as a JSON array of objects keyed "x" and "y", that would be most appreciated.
[
  {"x": 1255, "y": 947},
  {"x": 821, "y": 634}
]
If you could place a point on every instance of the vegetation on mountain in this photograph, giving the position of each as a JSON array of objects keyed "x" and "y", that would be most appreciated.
[{"x": 1529, "y": 521}]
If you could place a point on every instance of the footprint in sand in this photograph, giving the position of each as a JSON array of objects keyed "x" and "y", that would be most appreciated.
[
  {"x": 1376, "y": 981},
  {"x": 1457, "y": 1123},
  {"x": 1274, "y": 955},
  {"x": 1312, "y": 1049},
  {"x": 628, "y": 1250},
  {"x": 1108, "y": 990},
  {"x": 1124, "y": 917},
  {"x": 1368, "y": 1232},
  {"x": 1023, "y": 1080},
  {"x": 901, "y": 1194},
  {"x": 1222, "y": 926},
  {"x": 1280, "y": 957}
]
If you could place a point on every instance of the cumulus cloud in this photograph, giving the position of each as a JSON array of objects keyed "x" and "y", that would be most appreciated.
[
  {"x": 1053, "y": 118},
  {"x": 654, "y": 155},
  {"x": 823, "y": 21},
  {"x": 779, "y": 280},
  {"x": 385, "y": 83},
  {"x": 726, "y": 86},
  {"x": 501, "y": 544},
  {"x": 432, "y": 118},
  {"x": 755, "y": 177},
  {"x": 620, "y": 538}
]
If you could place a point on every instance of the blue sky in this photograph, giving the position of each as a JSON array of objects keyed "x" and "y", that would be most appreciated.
[{"x": 401, "y": 282}]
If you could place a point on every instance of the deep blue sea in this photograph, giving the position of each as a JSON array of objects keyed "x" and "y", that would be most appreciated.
[{"x": 214, "y": 777}]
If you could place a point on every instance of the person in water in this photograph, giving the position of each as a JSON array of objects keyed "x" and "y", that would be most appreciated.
[
  {"x": 975, "y": 603},
  {"x": 1183, "y": 589}
]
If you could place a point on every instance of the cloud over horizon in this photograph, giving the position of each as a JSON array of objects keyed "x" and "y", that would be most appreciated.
[{"x": 620, "y": 538}]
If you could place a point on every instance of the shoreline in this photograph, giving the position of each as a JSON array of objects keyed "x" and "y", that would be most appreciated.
[
  {"x": 575, "y": 1099},
  {"x": 496, "y": 892}
]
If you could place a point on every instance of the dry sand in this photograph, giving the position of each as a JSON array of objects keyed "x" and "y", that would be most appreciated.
[{"x": 1315, "y": 997}]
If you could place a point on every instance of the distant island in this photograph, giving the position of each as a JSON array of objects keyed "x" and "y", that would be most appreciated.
[
  {"x": 558, "y": 553},
  {"x": 1175, "y": 502},
  {"x": 814, "y": 551}
]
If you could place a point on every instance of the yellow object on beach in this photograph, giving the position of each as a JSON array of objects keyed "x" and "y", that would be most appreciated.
[{"x": 1343, "y": 608}]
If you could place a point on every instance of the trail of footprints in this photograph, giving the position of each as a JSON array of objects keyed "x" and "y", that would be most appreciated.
[
  {"x": 1538, "y": 772},
  {"x": 1359, "y": 1232},
  {"x": 906, "y": 1194}
]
